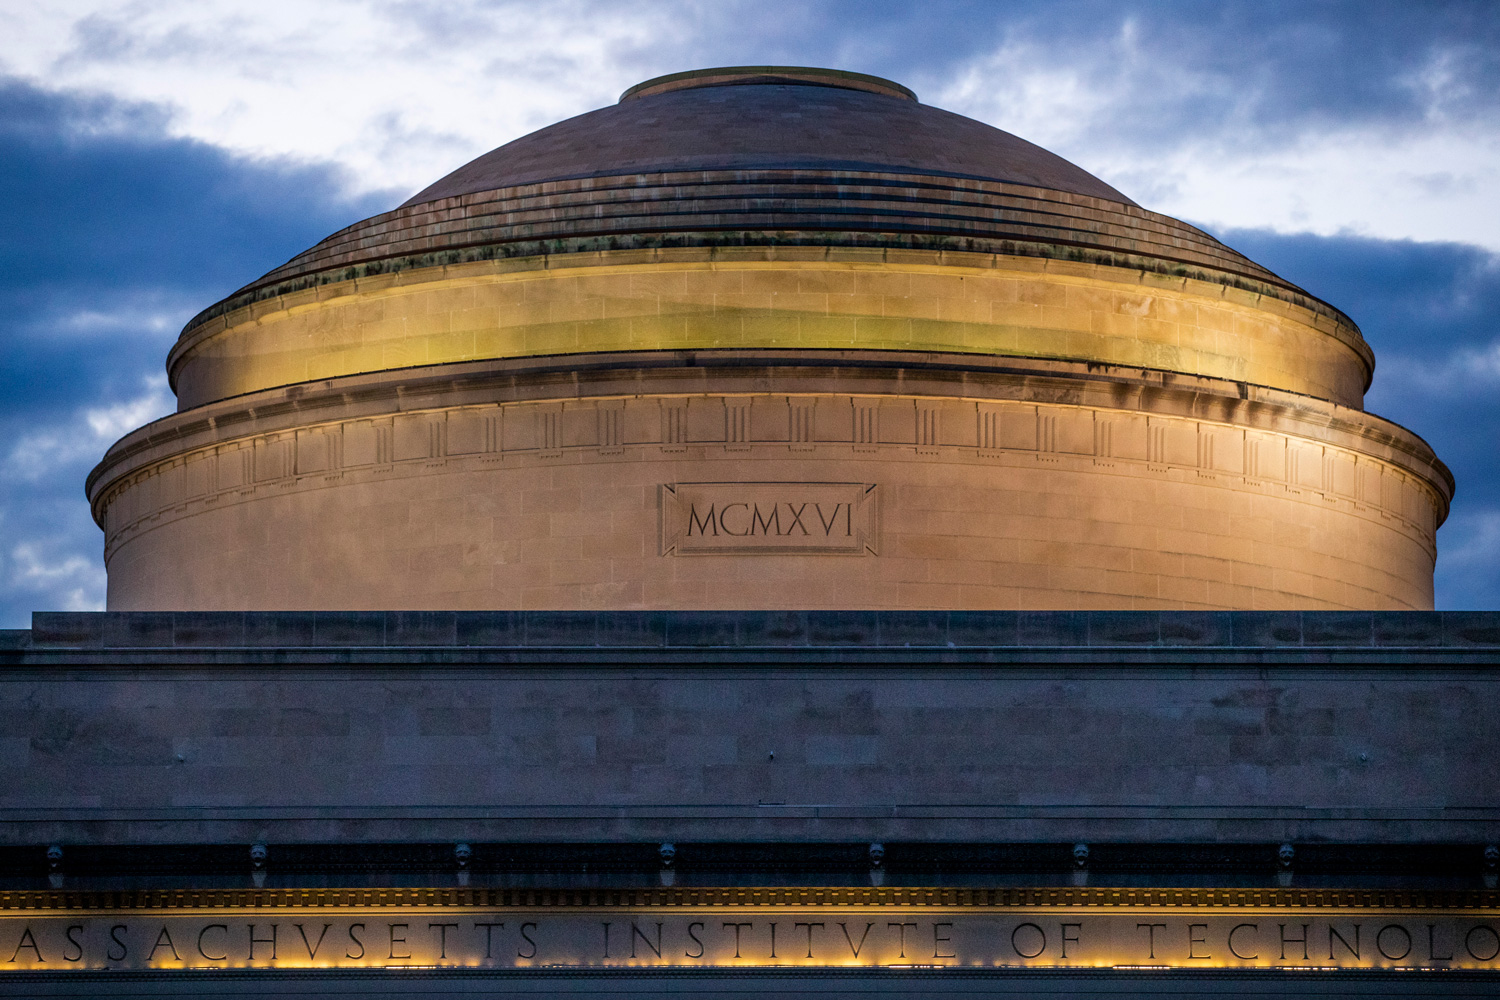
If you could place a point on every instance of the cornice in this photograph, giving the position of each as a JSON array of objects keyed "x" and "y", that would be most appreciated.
[
  {"x": 793, "y": 372},
  {"x": 750, "y": 897}
]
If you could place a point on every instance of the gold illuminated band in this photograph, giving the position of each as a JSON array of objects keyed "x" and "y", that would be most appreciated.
[{"x": 765, "y": 927}]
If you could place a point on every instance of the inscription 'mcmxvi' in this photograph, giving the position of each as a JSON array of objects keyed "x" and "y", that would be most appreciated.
[
  {"x": 768, "y": 518},
  {"x": 743, "y": 520}
]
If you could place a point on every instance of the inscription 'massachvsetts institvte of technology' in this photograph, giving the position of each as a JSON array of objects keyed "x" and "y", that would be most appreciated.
[{"x": 517, "y": 938}]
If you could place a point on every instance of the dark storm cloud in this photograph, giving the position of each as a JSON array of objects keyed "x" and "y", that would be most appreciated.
[
  {"x": 1431, "y": 311},
  {"x": 112, "y": 234},
  {"x": 108, "y": 221},
  {"x": 1409, "y": 298}
]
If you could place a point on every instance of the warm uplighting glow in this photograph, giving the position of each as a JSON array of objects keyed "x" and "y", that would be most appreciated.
[{"x": 1122, "y": 937}]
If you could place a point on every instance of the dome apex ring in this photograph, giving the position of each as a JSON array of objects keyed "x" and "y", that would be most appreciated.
[{"x": 732, "y": 76}]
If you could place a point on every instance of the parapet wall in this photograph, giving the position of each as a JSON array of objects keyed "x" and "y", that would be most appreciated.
[{"x": 751, "y": 727}]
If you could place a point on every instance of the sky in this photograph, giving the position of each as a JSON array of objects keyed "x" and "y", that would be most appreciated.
[{"x": 155, "y": 156}]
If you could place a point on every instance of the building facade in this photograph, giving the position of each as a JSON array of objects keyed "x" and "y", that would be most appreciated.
[
  {"x": 759, "y": 803},
  {"x": 844, "y": 549}
]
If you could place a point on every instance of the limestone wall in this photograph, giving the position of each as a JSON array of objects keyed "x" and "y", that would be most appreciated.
[
  {"x": 1114, "y": 493},
  {"x": 1054, "y": 728},
  {"x": 786, "y": 298}
]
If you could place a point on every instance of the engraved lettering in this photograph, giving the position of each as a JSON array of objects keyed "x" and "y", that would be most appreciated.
[
  {"x": 702, "y": 524},
  {"x": 489, "y": 933},
  {"x": 737, "y": 928},
  {"x": 1380, "y": 941},
  {"x": 796, "y": 515},
  {"x": 901, "y": 929},
  {"x": 312, "y": 949},
  {"x": 1194, "y": 941},
  {"x": 1069, "y": 940},
  {"x": 724, "y": 523},
  {"x": 28, "y": 941},
  {"x": 1040, "y": 937},
  {"x": 636, "y": 932},
  {"x": 442, "y": 930},
  {"x": 164, "y": 940},
  {"x": 1286, "y": 941},
  {"x": 852, "y": 946},
  {"x": 213, "y": 939},
  {"x": 938, "y": 940},
  {"x": 809, "y": 935},
  {"x": 354, "y": 939},
  {"x": 770, "y": 526},
  {"x": 1469, "y": 942},
  {"x": 829, "y": 521},
  {"x": 397, "y": 940},
  {"x": 204, "y": 932},
  {"x": 269, "y": 940},
  {"x": 1235, "y": 951},
  {"x": 1352, "y": 949},
  {"x": 766, "y": 517},
  {"x": 1150, "y": 937}
]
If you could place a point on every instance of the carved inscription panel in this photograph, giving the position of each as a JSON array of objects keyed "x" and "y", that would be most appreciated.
[
  {"x": 706, "y": 936},
  {"x": 785, "y": 518}
]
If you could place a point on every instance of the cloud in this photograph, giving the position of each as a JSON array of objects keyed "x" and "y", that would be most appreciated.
[
  {"x": 1471, "y": 551},
  {"x": 83, "y": 436},
  {"x": 75, "y": 582},
  {"x": 1461, "y": 372},
  {"x": 1324, "y": 117},
  {"x": 1431, "y": 311},
  {"x": 1320, "y": 117},
  {"x": 341, "y": 80},
  {"x": 112, "y": 234}
]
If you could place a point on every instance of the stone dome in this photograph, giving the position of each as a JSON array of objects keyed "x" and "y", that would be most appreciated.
[
  {"x": 750, "y": 293},
  {"x": 761, "y": 156},
  {"x": 767, "y": 118}
]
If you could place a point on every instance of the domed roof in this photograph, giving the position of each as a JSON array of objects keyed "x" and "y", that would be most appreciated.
[
  {"x": 766, "y": 156},
  {"x": 758, "y": 118}
]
